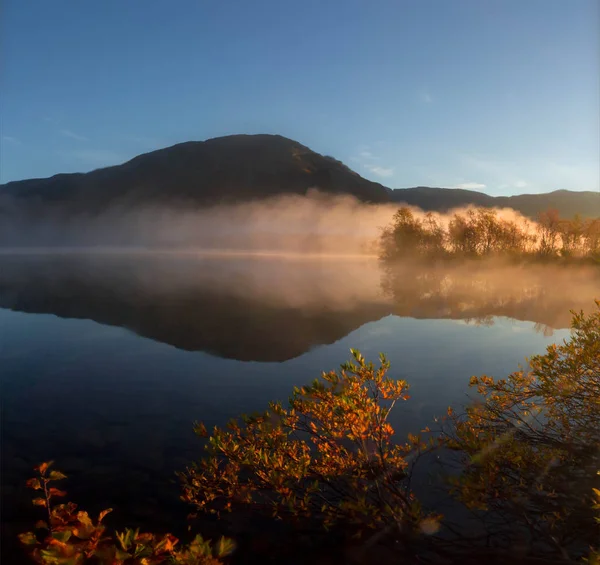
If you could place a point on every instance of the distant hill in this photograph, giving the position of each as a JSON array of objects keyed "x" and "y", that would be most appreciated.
[
  {"x": 240, "y": 168},
  {"x": 568, "y": 203}
]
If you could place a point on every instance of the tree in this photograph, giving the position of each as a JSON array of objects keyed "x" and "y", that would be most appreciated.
[
  {"x": 531, "y": 447},
  {"x": 548, "y": 229}
]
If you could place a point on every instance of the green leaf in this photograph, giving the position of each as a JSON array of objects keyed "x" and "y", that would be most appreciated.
[
  {"x": 123, "y": 555},
  {"x": 63, "y": 536},
  {"x": 28, "y": 538},
  {"x": 57, "y": 476},
  {"x": 224, "y": 547},
  {"x": 126, "y": 538}
]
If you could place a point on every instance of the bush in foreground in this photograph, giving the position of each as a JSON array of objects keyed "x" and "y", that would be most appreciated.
[
  {"x": 71, "y": 537},
  {"x": 530, "y": 451},
  {"x": 329, "y": 457},
  {"x": 531, "y": 447}
]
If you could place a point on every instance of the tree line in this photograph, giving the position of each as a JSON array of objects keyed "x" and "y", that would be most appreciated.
[{"x": 482, "y": 232}]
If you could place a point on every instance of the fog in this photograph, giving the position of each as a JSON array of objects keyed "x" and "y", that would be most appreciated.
[
  {"x": 311, "y": 254},
  {"x": 194, "y": 281},
  {"x": 316, "y": 223}
]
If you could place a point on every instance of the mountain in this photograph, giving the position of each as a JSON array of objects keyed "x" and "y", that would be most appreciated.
[
  {"x": 240, "y": 168},
  {"x": 224, "y": 169},
  {"x": 568, "y": 203}
]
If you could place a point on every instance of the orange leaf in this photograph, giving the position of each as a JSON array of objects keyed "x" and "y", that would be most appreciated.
[
  {"x": 44, "y": 467},
  {"x": 57, "y": 492},
  {"x": 104, "y": 513},
  {"x": 34, "y": 484},
  {"x": 39, "y": 502},
  {"x": 28, "y": 538}
]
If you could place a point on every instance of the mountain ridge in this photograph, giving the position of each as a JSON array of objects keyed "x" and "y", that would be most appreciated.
[{"x": 245, "y": 167}]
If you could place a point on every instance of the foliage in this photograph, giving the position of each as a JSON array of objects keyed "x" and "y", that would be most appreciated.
[
  {"x": 329, "y": 456},
  {"x": 481, "y": 232},
  {"x": 594, "y": 558},
  {"x": 532, "y": 445},
  {"x": 529, "y": 450},
  {"x": 72, "y": 537}
]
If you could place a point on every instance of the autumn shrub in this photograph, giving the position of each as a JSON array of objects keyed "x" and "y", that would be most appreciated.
[
  {"x": 531, "y": 446},
  {"x": 68, "y": 536},
  {"x": 330, "y": 456}
]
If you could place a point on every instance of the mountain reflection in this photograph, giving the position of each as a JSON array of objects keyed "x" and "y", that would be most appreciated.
[
  {"x": 248, "y": 309},
  {"x": 276, "y": 308}
]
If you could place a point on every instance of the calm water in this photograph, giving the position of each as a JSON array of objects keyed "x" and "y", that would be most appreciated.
[{"x": 106, "y": 361}]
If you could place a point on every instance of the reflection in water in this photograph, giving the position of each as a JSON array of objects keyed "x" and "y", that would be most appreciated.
[
  {"x": 115, "y": 411},
  {"x": 477, "y": 291},
  {"x": 260, "y": 308},
  {"x": 270, "y": 308}
]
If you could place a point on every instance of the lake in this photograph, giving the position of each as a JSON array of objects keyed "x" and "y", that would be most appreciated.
[{"x": 107, "y": 358}]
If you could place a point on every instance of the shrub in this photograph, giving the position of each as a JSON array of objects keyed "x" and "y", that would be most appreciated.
[
  {"x": 532, "y": 445},
  {"x": 329, "y": 456},
  {"x": 71, "y": 537}
]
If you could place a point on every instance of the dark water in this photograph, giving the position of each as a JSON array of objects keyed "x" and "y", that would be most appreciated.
[{"x": 105, "y": 361}]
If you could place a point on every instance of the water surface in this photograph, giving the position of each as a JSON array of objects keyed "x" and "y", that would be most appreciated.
[{"x": 107, "y": 360}]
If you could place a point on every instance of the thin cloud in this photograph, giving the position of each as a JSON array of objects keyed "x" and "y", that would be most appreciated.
[
  {"x": 367, "y": 160},
  {"x": 470, "y": 185},
  {"x": 426, "y": 98},
  {"x": 11, "y": 140},
  {"x": 542, "y": 174},
  {"x": 73, "y": 135},
  {"x": 381, "y": 171}
]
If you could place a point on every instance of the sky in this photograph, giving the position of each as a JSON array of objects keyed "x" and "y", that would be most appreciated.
[{"x": 501, "y": 96}]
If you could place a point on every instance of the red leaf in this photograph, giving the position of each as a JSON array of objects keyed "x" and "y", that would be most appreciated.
[{"x": 57, "y": 492}]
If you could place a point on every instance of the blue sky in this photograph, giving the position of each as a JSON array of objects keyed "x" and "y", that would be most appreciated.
[{"x": 498, "y": 95}]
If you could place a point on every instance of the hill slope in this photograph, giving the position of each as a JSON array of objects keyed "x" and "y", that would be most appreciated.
[
  {"x": 223, "y": 169},
  {"x": 247, "y": 167}
]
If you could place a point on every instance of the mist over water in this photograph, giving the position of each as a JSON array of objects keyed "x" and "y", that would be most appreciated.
[
  {"x": 315, "y": 223},
  {"x": 292, "y": 271},
  {"x": 278, "y": 305}
]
